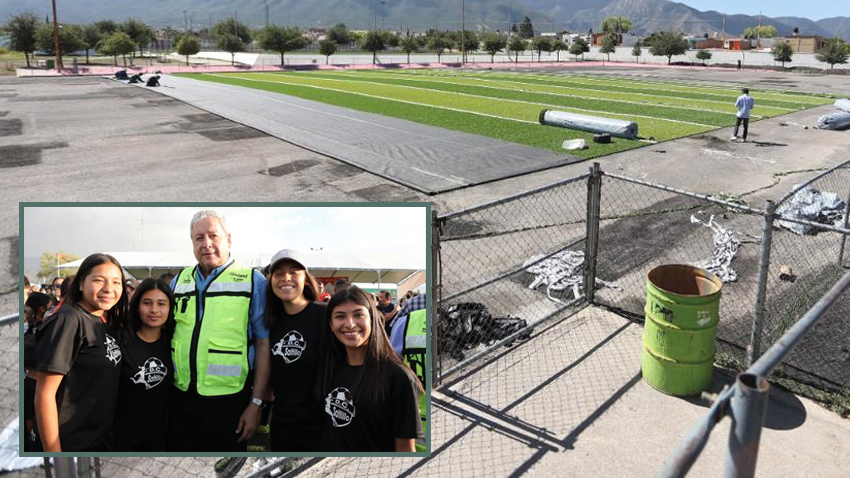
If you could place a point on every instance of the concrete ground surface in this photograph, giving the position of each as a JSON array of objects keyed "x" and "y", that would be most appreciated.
[{"x": 572, "y": 410}]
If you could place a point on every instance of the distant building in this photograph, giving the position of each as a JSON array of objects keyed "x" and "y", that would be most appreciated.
[
  {"x": 316, "y": 34},
  {"x": 706, "y": 43},
  {"x": 737, "y": 44},
  {"x": 802, "y": 44},
  {"x": 596, "y": 39}
]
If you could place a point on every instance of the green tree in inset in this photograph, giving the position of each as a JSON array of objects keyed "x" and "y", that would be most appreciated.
[
  {"x": 375, "y": 42},
  {"x": 609, "y": 45},
  {"x": 636, "y": 51},
  {"x": 118, "y": 43},
  {"x": 526, "y": 29},
  {"x": 327, "y": 48},
  {"x": 438, "y": 44},
  {"x": 339, "y": 33},
  {"x": 92, "y": 35},
  {"x": 517, "y": 45},
  {"x": 22, "y": 31},
  {"x": 409, "y": 45},
  {"x": 782, "y": 52},
  {"x": 834, "y": 52},
  {"x": 230, "y": 43},
  {"x": 49, "y": 261},
  {"x": 579, "y": 47},
  {"x": 281, "y": 39},
  {"x": 141, "y": 33},
  {"x": 231, "y": 26},
  {"x": 669, "y": 44},
  {"x": 703, "y": 55},
  {"x": 188, "y": 45},
  {"x": 494, "y": 43},
  {"x": 541, "y": 44},
  {"x": 558, "y": 46}
]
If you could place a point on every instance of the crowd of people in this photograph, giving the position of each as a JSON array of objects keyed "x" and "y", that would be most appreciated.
[{"x": 201, "y": 361}]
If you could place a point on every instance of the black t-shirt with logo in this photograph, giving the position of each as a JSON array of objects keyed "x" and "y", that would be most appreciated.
[
  {"x": 76, "y": 344},
  {"x": 294, "y": 342},
  {"x": 143, "y": 393},
  {"x": 363, "y": 425}
]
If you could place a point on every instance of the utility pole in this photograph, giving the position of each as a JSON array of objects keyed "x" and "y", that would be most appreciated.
[
  {"x": 463, "y": 33},
  {"x": 267, "y": 13},
  {"x": 374, "y": 15},
  {"x": 185, "y": 21},
  {"x": 56, "y": 49}
]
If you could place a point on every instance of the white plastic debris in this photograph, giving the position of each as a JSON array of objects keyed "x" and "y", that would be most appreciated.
[
  {"x": 725, "y": 248},
  {"x": 811, "y": 205},
  {"x": 560, "y": 272},
  {"x": 9, "y": 451},
  {"x": 575, "y": 144}
]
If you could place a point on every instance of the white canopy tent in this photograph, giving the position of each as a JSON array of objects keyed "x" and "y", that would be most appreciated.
[{"x": 360, "y": 267}]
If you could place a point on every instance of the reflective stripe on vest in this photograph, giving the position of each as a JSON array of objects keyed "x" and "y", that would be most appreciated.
[
  {"x": 210, "y": 353},
  {"x": 413, "y": 351}
]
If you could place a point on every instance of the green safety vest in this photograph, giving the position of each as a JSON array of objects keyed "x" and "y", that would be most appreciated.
[
  {"x": 413, "y": 353},
  {"x": 210, "y": 353}
]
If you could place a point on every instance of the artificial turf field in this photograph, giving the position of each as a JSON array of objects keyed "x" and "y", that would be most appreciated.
[{"x": 506, "y": 105}]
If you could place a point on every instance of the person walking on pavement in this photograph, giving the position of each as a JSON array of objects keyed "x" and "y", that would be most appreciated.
[
  {"x": 744, "y": 104},
  {"x": 219, "y": 343}
]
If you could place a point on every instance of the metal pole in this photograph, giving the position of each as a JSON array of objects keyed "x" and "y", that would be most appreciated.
[
  {"x": 56, "y": 48},
  {"x": 747, "y": 410},
  {"x": 84, "y": 467},
  {"x": 594, "y": 191},
  {"x": 436, "y": 299},
  {"x": 65, "y": 467},
  {"x": 463, "y": 34},
  {"x": 96, "y": 467},
  {"x": 761, "y": 290},
  {"x": 47, "y": 472},
  {"x": 846, "y": 226}
]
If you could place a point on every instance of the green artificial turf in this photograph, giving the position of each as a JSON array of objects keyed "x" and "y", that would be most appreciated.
[{"x": 506, "y": 105}]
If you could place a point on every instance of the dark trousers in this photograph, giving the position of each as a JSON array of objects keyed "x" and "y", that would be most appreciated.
[
  {"x": 206, "y": 424},
  {"x": 738, "y": 122}
]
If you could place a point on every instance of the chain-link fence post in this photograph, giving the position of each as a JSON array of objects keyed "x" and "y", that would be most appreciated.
[
  {"x": 754, "y": 349},
  {"x": 96, "y": 467},
  {"x": 47, "y": 468},
  {"x": 65, "y": 467},
  {"x": 845, "y": 225},
  {"x": 84, "y": 467},
  {"x": 594, "y": 200},
  {"x": 435, "y": 292},
  {"x": 747, "y": 410}
]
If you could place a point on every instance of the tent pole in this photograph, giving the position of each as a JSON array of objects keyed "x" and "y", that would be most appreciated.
[{"x": 379, "y": 279}]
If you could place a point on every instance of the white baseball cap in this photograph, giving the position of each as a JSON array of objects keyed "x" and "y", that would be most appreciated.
[{"x": 290, "y": 255}]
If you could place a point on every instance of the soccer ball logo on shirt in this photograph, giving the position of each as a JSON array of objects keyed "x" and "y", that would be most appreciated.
[
  {"x": 151, "y": 374},
  {"x": 113, "y": 351},
  {"x": 340, "y": 406},
  {"x": 290, "y": 347}
]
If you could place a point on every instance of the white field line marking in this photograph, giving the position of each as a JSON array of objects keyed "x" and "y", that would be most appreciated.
[
  {"x": 451, "y": 179},
  {"x": 442, "y": 79},
  {"x": 729, "y": 154},
  {"x": 381, "y": 98},
  {"x": 641, "y": 84},
  {"x": 562, "y": 107}
]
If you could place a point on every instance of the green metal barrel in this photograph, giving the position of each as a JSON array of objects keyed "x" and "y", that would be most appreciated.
[{"x": 682, "y": 311}]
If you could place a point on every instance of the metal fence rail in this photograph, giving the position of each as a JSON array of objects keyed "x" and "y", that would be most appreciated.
[{"x": 745, "y": 401}]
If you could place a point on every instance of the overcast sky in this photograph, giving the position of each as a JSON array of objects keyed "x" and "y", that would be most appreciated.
[
  {"x": 86, "y": 230},
  {"x": 811, "y": 9}
]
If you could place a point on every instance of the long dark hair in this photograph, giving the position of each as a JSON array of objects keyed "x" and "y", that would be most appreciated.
[
  {"x": 274, "y": 306},
  {"x": 379, "y": 351},
  {"x": 116, "y": 316},
  {"x": 147, "y": 285}
]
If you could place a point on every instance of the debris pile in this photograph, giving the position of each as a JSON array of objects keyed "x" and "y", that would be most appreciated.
[
  {"x": 560, "y": 272},
  {"x": 725, "y": 248},
  {"x": 812, "y": 205},
  {"x": 469, "y": 324}
]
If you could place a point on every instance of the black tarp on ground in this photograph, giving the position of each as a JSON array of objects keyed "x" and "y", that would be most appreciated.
[{"x": 425, "y": 158}]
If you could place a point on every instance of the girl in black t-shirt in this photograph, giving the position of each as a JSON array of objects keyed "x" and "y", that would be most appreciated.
[
  {"x": 371, "y": 399},
  {"x": 146, "y": 371},
  {"x": 295, "y": 321},
  {"x": 79, "y": 360}
]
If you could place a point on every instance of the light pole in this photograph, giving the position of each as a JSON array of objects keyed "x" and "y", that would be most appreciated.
[
  {"x": 463, "y": 33},
  {"x": 56, "y": 38}
]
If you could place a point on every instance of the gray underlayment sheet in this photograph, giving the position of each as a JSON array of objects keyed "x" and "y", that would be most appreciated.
[{"x": 425, "y": 158}]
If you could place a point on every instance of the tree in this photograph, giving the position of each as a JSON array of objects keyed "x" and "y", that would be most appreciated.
[
  {"x": 409, "y": 45},
  {"x": 282, "y": 39},
  {"x": 375, "y": 42},
  {"x": 49, "y": 261},
  {"x": 119, "y": 43},
  {"x": 541, "y": 44},
  {"x": 106, "y": 27},
  {"x": 609, "y": 45},
  {"x": 139, "y": 32},
  {"x": 526, "y": 30},
  {"x": 494, "y": 43},
  {"x": 438, "y": 44},
  {"x": 558, "y": 46},
  {"x": 91, "y": 36},
  {"x": 763, "y": 31},
  {"x": 22, "y": 31},
  {"x": 339, "y": 33},
  {"x": 703, "y": 55},
  {"x": 667, "y": 43},
  {"x": 327, "y": 48},
  {"x": 188, "y": 45},
  {"x": 834, "y": 52},
  {"x": 230, "y": 43},
  {"x": 616, "y": 25},
  {"x": 233, "y": 27},
  {"x": 579, "y": 47},
  {"x": 636, "y": 51},
  {"x": 70, "y": 39},
  {"x": 470, "y": 42},
  {"x": 517, "y": 45},
  {"x": 782, "y": 52},
  {"x": 391, "y": 40}
]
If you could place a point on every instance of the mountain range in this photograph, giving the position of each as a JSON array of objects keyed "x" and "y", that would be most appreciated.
[{"x": 547, "y": 15}]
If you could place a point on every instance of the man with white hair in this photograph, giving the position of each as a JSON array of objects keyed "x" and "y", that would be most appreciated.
[{"x": 219, "y": 343}]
